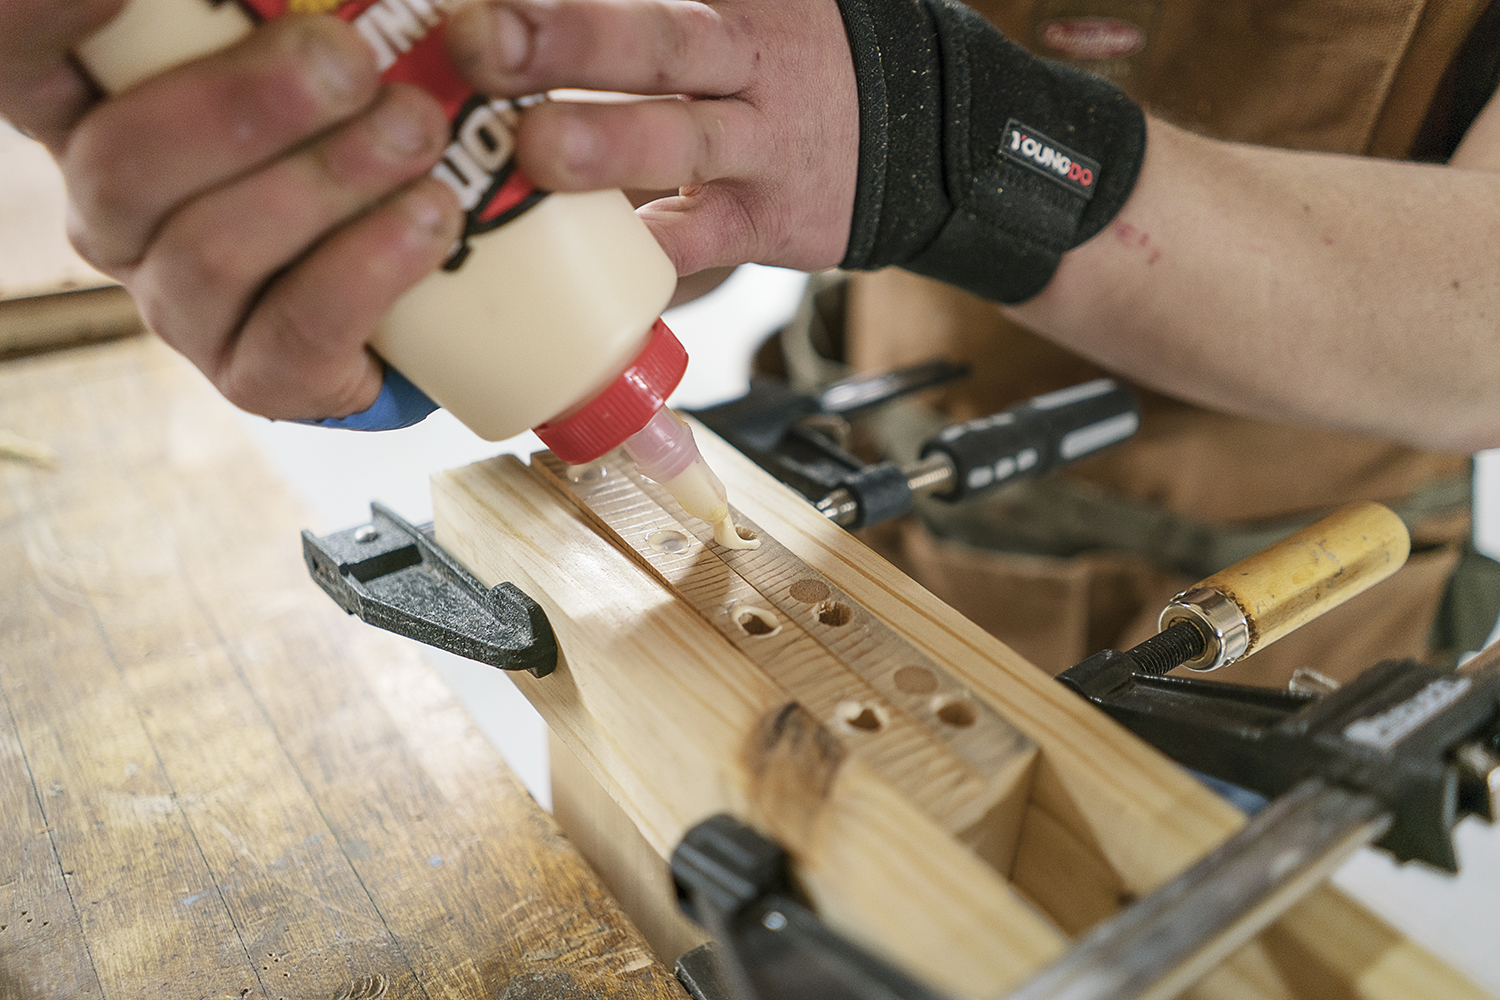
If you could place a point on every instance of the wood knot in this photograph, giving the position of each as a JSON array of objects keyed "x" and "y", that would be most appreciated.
[
  {"x": 792, "y": 760},
  {"x": 366, "y": 988}
]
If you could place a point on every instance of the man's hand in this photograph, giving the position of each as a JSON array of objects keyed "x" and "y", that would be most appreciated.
[
  {"x": 265, "y": 206},
  {"x": 763, "y": 147},
  {"x": 41, "y": 91}
]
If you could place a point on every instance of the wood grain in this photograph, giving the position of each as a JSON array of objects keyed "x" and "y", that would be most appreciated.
[
  {"x": 659, "y": 707},
  {"x": 882, "y": 700},
  {"x": 677, "y": 724},
  {"x": 215, "y": 783},
  {"x": 629, "y": 866}
]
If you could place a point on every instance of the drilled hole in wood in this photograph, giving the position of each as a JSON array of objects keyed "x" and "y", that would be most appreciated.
[
  {"x": 808, "y": 591},
  {"x": 915, "y": 680},
  {"x": 669, "y": 541},
  {"x": 756, "y": 621},
  {"x": 745, "y": 533},
  {"x": 834, "y": 613},
  {"x": 593, "y": 472},
  {"x": 860, "y": 717},
  {"x": 958, "y": 714}
]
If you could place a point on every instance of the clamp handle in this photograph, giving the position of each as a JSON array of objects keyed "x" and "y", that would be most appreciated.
[
  {"x": 1260, "y": 599},
  {"x": 1033, "y": 438}
]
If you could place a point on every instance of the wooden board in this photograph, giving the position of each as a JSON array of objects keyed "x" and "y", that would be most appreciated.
[
  {"x": 215, "y": 784},
  {"x": 678, "y": 725},
  {"x": 883, "y": 700},
  {"x": 670, "y": 718},
  {"x": 49, "y": 297}
]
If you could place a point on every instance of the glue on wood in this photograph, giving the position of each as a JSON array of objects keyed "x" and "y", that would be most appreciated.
[{"x": 546, "y": 312}]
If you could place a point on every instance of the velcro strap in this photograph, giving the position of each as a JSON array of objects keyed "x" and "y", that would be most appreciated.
[{"x": 980, "y": 164}]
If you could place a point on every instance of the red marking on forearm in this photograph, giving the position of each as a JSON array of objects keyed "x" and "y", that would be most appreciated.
[{"x": 1137, "y": 239}]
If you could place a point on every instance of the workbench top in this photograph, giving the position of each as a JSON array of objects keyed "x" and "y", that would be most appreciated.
[{"x": 213, "y": 783}]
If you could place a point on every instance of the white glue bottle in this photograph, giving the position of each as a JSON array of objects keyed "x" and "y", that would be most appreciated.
[{"x": 546, "y": 314}]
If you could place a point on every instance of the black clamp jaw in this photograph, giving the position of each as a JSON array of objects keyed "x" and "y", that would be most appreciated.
[
  {"x": 738, "y": 885},
  {"x": 394, "y": 576},
  {"x": 1420, "y": 740}
]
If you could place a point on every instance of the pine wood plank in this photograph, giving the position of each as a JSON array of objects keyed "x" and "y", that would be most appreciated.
[
  {"x": 1109, "y": 817},
  {"x": 950, "y": 755},
  {"x": 248, "y": 793},
  {"x": 636, "y": 875},
  {"x": 678, "y": 724}
]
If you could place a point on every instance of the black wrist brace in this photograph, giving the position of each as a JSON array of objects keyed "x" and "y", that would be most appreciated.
[{"x": 979, "y": 163}]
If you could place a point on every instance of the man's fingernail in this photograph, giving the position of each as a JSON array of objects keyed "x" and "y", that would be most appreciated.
[
  {"x": 511, "y": 36},
  {"x": 580, "y": 145},
  {"x": 338, "y": 70},
  {"x": 489, "y": 37},
  {"x": 400, "y": 127},
  {"x": 427, "y": 215}
]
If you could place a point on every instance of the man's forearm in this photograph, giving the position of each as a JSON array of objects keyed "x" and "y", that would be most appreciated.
[{"x": 1293, "y": 286}]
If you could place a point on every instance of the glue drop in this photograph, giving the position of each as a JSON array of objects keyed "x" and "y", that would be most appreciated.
[{"x": 546, "y": 312}]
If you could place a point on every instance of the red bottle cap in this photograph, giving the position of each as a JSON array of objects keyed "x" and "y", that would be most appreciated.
[{"x": 624, "y": 407}]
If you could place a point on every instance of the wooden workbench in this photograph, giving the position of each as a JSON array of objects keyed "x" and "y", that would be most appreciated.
[{"x": 213, "y": 783}]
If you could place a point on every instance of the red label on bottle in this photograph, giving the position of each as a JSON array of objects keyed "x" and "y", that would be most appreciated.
[{"x": 407, "y": 39}]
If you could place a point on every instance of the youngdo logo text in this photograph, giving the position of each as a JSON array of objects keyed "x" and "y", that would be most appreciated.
[{"x": 1051, "y": 159}]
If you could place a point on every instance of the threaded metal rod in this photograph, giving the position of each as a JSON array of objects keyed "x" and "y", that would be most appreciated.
[{"x": 1177, "y": 644}]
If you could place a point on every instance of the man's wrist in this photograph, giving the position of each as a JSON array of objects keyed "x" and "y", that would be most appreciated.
[{"x": 980, "y": 164}]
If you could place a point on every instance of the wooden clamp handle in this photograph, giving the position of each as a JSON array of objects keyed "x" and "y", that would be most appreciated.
[{"x": 1260, "y": 599}]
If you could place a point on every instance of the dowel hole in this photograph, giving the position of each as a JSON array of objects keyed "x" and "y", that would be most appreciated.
[
  {"x": 860, "y": 717},
  {"x": 668, "y": 541},
  {"x": 915, "y": 680},
  {"x": 591, "y": 472},
  {"x": 834, "y": 613},
  {"x": 757, "y": 622},
  {"x": 957, "y": 713},
  {"x": 746, "y": 535},
  {"x": 808, "y": 591}
]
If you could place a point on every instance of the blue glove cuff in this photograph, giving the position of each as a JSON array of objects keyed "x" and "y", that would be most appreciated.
[{"x": 400, "y": 404}]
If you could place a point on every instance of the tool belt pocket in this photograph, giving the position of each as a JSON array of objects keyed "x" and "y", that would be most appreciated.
[{"x": 1052, "y": 610}]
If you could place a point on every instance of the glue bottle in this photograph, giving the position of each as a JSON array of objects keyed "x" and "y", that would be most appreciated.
[{"x": 546, "y": 313}]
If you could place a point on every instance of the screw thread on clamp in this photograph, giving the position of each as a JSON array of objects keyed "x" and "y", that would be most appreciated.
[{"x": 1170, "y": 648}]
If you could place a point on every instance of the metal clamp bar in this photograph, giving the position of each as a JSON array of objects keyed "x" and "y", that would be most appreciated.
[{"x": 1162, "y": 944}]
